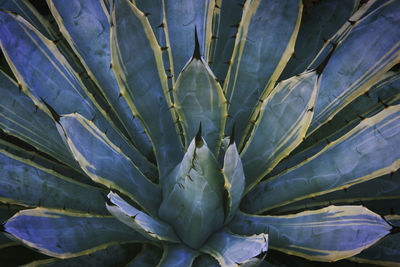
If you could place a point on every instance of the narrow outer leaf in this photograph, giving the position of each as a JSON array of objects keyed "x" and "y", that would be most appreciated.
[
  {"x": 143, "y": 82},
  {"x": 148, "y": 257},
  {"x": 328, "y": 234},
  {"x": 348, "y": 161},
  {"x": 256, "y": 65},
  {"x": 65, "y": 234},
  {"x": 282, "y": 124},
  {"x": 105, "y": 163},
  {"x": 199, "y": 99},
  {"x": 359, "y": 61}
]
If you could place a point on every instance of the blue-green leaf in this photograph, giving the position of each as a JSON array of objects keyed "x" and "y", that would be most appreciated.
[
  {"x": 328, "y": 234},
  {"x": 205, "y": 260},
  {"x": 177, "y": 255},
  {"x": 193, "y": 195},
  {"x": 182, "y": 17},
  {"x": 105, "y": 163},
  {"x": 386, "y": 252},
  {"x": 142, "y": 223},
  {"x": 143, "y": 82},
  {"x": 64, "y": 234},
  {"x": 92, "y": 46},
  {"x": 369, "y": 51},
  {"x": 345, "y": 162},
  {"x": 199, "y": 100},
  {"x": 21, "y": 118},
  {"x": 234, "y": 250},
  {"x": 274, "y": 24},
  {"x": 283, "y": 121},
  {"x": 28, "y": 185},
  {"x": 148, "y": 257},
  {"x": 321, "y": 22},
  {"x": 234, "y": 179}
]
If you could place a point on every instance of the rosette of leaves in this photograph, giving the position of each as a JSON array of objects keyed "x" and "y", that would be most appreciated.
[{"x": 199, "y": 132}]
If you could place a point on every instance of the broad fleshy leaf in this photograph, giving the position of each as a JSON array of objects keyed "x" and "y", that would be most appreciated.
[
  {"x": 193, "y": 195},
  {"x": 328, "y": 234},
  {"x": 21, "y": 118},
  {"x": 143, "y": 82},
  {"x": 384, "y": 190},
  {"x": 93, "y": 48},
  {"x": 148, "y": 257},
  {"x": 283, "y": 121},
  {"x": 115, "y": 255},
  {"x": 105, "y": 163},
  {"x": 234, "y": 250},
  {"x": 24, "y": 183},
  {"x": 321, "y": 22},
  {"x": 234, "y": 179},
  {"x": 142, "y": 223},
  {"x": 345, "y": 162},
  {"x": 64, "y": 234},
  {"x": 386, "y": 252},
  {"x": 264, "y": 43},
  {"x": 177, "y": 255},
  {"x": 370, "y": 50},
  {"x": 182, "y": 18},
  {"x": 199, "y": 100}
]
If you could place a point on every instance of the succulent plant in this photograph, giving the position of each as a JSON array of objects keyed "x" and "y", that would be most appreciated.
[{"x": 199, "y": 132}]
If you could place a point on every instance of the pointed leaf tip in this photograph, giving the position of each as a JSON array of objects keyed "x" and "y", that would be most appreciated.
[
  {"x": 196, "y": 52},
  {"x": 198, "y": 139}
]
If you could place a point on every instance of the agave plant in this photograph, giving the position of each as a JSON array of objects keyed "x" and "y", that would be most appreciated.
[{"x": 199, "y": 132}]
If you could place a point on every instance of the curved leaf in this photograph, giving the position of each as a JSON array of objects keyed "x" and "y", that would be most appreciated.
[
  {"x": 92, "y": 46},
  {"x": 370, "y": 50},
  {"x": 193, "y": 195},
  {"x": 328, "y": 234},
  {"x": 264, "y": 43},
  {"x": 105, "y": 163},
  {"x": 65, "y": 234},
  {"x": 199, "y": 100},
  {"x": 142, "y": 223},
  {"x": 345, "y": 162},
  {"x": 177, "y": 255},
  {"x": 283, "y": 121},
  {"x": 234, "y": 250},
  {"x": 25, "y": 184},
  {"x": 143, "y": 82}
]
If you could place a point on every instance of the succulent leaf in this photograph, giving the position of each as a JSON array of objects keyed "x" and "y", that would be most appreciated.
[
  {"x": 199, "y": 99},
  {"x": 248, "y": 79},
  {"x": 345, "y": 162},
  {"x": 182, "y": 18},
  {"x": 141, "y": 222},
  {"x": 196, "y": 187},
  {"x": 65, "y": 234},
  {"x": 357, "y": 63},
  {"x": 290, "y": 106},
  {"x": 143, "y": 82},
  {"x": 328, "y": 234},
  {"x": 92, "y": 46},
  {"x": 234, "y": 250},
  {"x": 105, "y": 163}
]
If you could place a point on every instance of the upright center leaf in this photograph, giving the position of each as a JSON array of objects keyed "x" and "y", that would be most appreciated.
[{"x": 193, "y": 195}]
